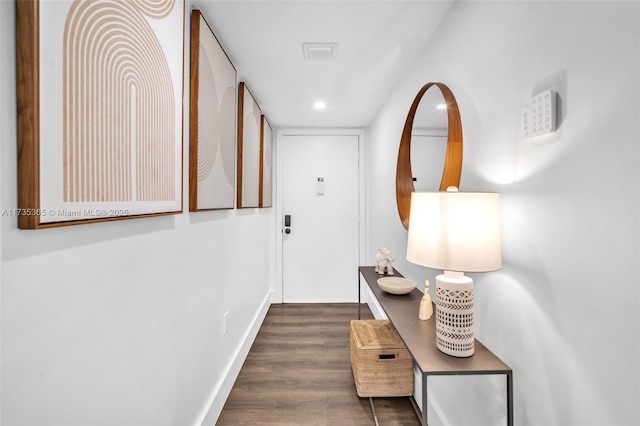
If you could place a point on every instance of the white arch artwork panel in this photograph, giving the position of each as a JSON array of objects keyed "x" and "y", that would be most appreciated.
[
  {"x": 266, "y": 159},
  {"x": 106, "y": 110},
  {"x": 249, "y": 115},
  {"x": 212, "y": 121}
]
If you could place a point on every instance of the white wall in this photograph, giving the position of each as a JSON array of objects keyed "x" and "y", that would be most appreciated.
[
  {"x": 563, "y": 311},
  {"x": 121, "y": 323}
]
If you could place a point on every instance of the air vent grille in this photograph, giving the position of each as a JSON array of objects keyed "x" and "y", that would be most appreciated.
[{"x": 320, "y": 51}]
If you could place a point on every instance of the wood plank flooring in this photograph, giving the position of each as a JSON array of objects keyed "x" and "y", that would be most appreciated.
[{"x": 298, "y": 372}]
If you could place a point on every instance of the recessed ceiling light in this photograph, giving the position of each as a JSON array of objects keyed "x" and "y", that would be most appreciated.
[
  {"x": 441, "y": 106},
  {"x": 320, "y": 105}
]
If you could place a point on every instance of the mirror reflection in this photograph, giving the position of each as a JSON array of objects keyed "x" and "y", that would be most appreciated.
[{"x": 429, "y": 141}]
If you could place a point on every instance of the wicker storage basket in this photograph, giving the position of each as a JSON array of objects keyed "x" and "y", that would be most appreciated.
[{"x": 381, "y": 364}]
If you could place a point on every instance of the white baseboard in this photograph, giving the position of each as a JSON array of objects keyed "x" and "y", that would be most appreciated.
[
  {"x": 213, "y": 408},
  {"x": 366, "y": 296},
  {"x": 437, "y": 417}
]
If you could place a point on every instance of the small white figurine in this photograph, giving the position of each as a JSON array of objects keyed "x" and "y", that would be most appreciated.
[
  {"x": 383, "y": 262},
  {"x": 426, "y": 307}
]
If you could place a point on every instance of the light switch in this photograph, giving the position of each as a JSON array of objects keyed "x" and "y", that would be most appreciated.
[
  {"x": 320, "y": 186},
  {"x": 539, "y": 116}
]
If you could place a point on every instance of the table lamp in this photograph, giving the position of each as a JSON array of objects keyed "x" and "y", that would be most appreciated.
[{"x": 457, "y": 232}]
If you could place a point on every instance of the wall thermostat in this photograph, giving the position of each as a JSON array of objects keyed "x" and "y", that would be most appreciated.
[{"x": 539, "y": 116}]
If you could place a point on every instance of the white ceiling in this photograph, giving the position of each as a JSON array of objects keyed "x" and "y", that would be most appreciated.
[{"x": 377, "y": 43}]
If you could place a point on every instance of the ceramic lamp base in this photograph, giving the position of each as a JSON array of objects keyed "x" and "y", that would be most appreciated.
[{"x": 454, "y": 314}]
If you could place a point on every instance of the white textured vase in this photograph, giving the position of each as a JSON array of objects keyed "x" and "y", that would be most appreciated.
[
  {"x": 454, "y": 314},
  {"x": 426, "y": 306}
]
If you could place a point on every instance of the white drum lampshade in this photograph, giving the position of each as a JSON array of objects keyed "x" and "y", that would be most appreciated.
[{"x": 457, "y": 232}]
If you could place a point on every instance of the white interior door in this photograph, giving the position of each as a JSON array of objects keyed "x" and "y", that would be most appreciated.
[
  {"x": 320, "y": 194},
  {"x": 428, "y": 147}
]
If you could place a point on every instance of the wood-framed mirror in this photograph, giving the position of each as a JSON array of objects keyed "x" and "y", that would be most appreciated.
[{"x": 452, "y": 168}]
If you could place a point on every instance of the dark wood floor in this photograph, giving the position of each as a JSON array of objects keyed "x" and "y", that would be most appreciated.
[{"x": 298, "y": 372}]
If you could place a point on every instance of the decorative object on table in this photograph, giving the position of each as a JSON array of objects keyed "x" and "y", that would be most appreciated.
[
  {"x": 381, "y": 364},
  {"x": 383, "y": 261},
  {"x": 426, "y": 305},
  {"x": 457, "y": 232},
  {"x": 212, "y": 121},
  {"x": 396, "y": 285},
  {"x": 100, "y": 110}
]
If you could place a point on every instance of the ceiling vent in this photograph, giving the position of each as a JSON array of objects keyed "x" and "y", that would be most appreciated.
[{"x": 320, "y": 51}]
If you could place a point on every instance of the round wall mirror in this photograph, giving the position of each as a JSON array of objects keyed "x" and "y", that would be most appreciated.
[{"x": 433, "y": 117}]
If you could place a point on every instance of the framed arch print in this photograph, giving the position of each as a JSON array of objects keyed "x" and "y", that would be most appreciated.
[
  {"x": 249, "y": 118},
  {"x": 266, "y": 158},
  {"x": 212, "y": 121},
  {"x": 99, "y": 92}
]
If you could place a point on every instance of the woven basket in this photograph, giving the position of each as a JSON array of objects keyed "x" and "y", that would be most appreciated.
[{"x": 381, "y": 364}]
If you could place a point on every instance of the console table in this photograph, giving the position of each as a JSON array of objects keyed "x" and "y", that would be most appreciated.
[{"x": 420, "y": 339}]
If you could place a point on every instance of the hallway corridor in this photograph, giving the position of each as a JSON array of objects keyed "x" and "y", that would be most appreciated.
[{"x": 298, "y": 372}]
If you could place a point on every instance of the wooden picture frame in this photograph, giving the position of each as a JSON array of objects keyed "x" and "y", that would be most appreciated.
[
  {"x": 99, "y": 111},
  {"x": 249, "y": 113},
  {"x": 266, "y": 163},
  {"x": 212, "y": 124}
]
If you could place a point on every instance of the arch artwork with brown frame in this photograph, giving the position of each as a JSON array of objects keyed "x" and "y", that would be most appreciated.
[
  {"x": 212, "y": 121},
  {"x": 266, "y": 165},
  {"x": 96, "y": 143},
  {"x": 248, "y": 168},
  {"x": 453, "y": 161}
]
